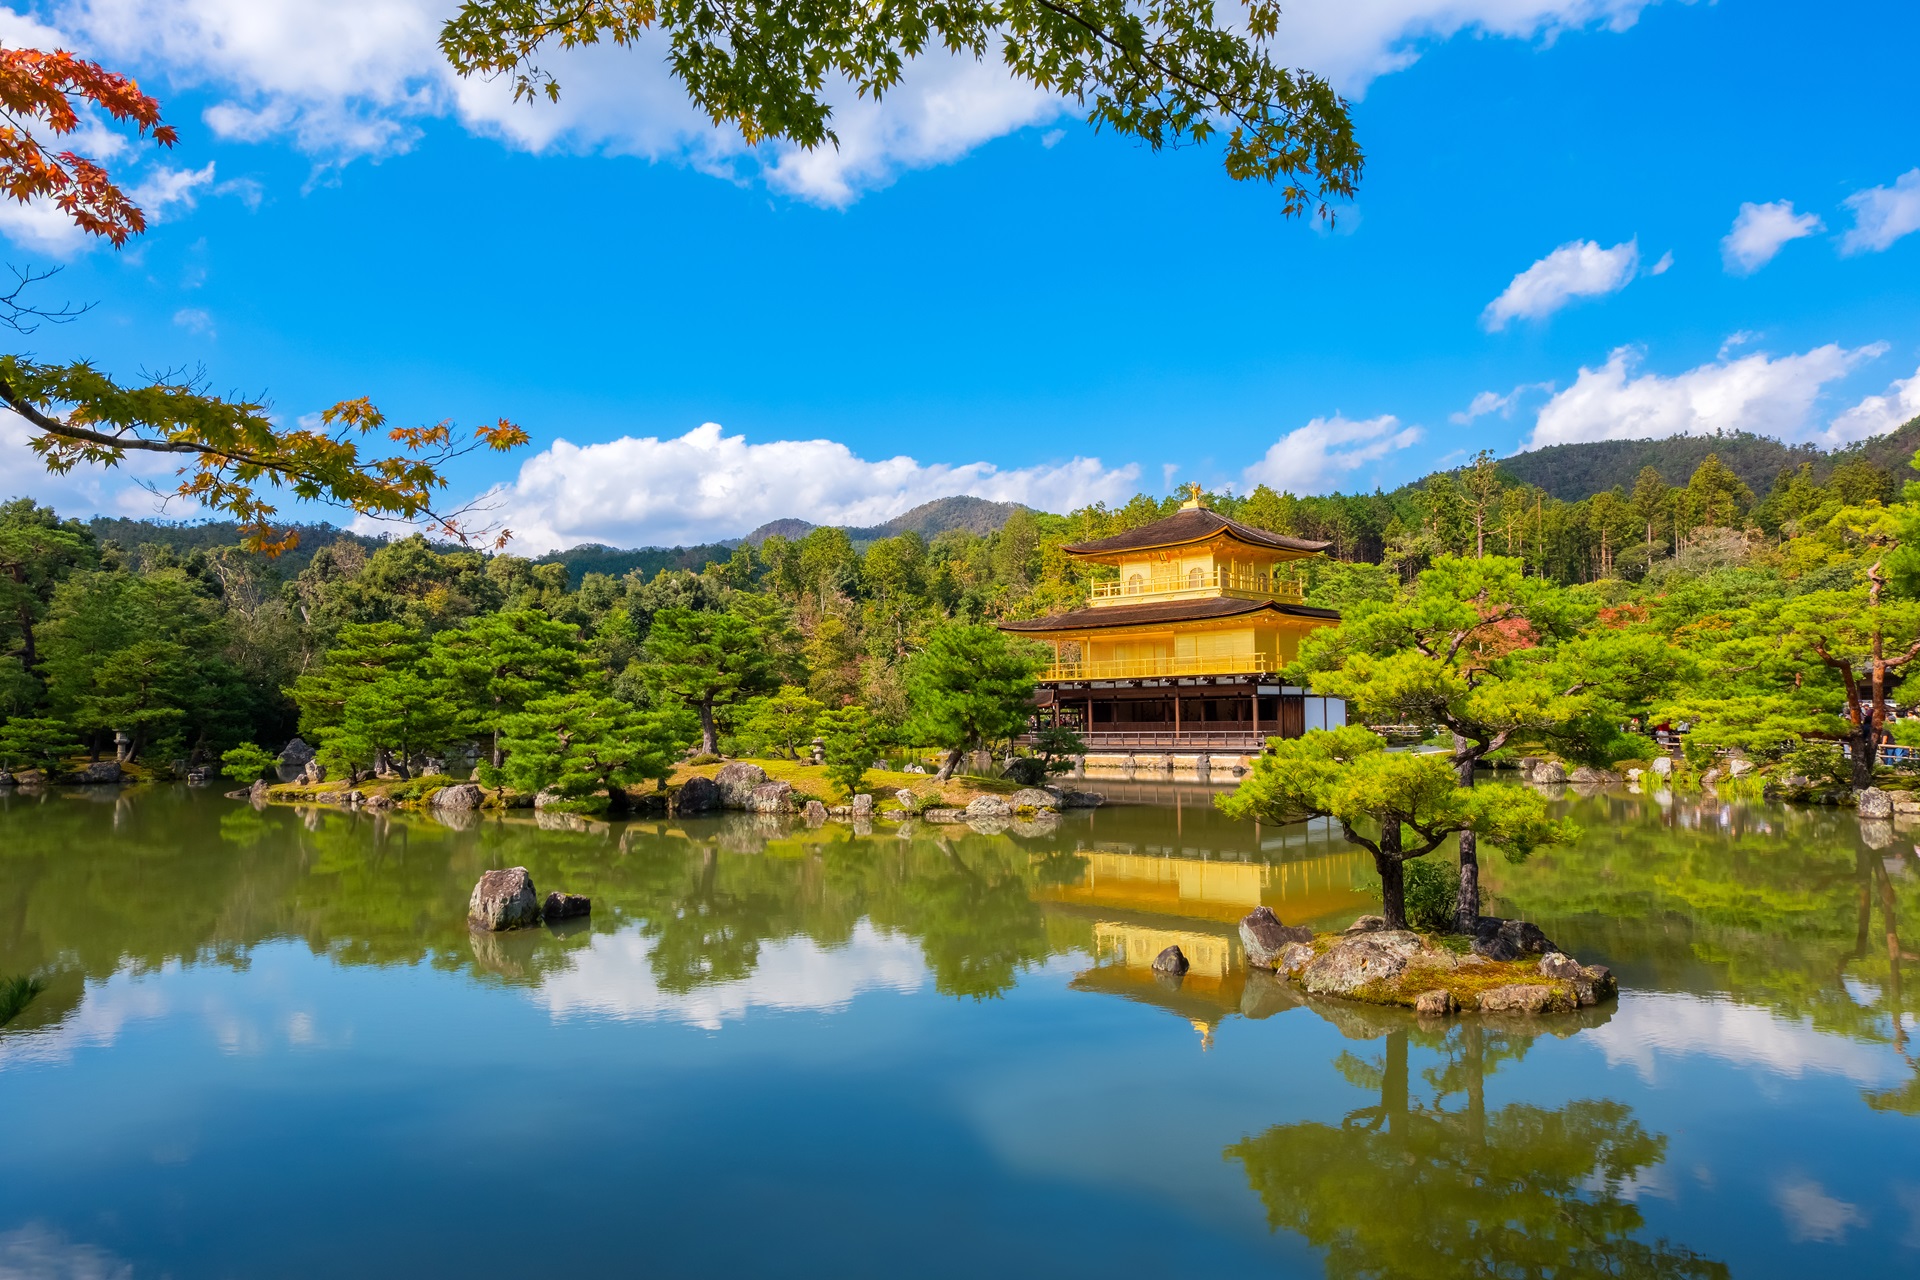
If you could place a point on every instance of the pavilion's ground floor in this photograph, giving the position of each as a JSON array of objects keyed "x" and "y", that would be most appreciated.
[{"x": 1184, "y": 714}]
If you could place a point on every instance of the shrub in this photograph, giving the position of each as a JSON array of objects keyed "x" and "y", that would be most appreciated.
[
  {"x": 1431, "y": 890},
  {"x": 247, "y": 763}
]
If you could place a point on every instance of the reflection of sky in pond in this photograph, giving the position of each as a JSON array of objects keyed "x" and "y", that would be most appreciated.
[{"x": 954, "y": 1039}]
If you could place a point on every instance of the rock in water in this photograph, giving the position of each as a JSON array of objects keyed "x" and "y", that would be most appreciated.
[
  {"x": 1558, "y": 964},
  {"x": 1264, "y": 937},
  {"x": 906, "y": 798},
  {"x": 697, "y": 795},
  {"x": 1498, "y": 939},
  {"x": 1295, "y": 957},
  {"x": 989, "y": 807},
  {"x": 1434, "y": 1004},
  {"x": 737, "y": 783},
  {"x": 1033, "y": 798},
  {"x": 1587, "y": 775},
  {"x": 1172, "y": 960},
  {"x": 1362, "y": 960},
  {"x": 1661, "y": 765},
  {"x": 464, "y": 796},
  {"x": 770, "y": 797},
  {"x": 504, "y": 900},
  {"x": 1874, "y": 803},
  {"x": 564, "y": 906},
  {"x": 815, "y": 813},
  {"x": 1518, "y": 997},
  {"x": 862, "y": 806},
  {"x": 109, "y": 771}
]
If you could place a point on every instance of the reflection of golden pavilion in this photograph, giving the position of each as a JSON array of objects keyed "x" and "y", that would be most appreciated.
[{"x": 1143, "y": 904}]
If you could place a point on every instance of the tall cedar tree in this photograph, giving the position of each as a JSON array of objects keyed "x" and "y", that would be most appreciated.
[{"x": 711, "y": 661}]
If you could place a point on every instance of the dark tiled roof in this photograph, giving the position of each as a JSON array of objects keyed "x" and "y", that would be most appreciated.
[
  {"x": 1194, "y": 524},
  {"x": 1133, "y": 615}
]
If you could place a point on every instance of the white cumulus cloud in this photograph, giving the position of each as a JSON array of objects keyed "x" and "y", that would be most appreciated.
[
  {"x": 1877, "y": 415},
  {"x": 1764, "y": 394},
  {"x": 1316, "y": 457},
  {"x": 41, "y": 227},
  {"x": 1760, "y": 231},
  {"x": 1811, "y": 1214},
  {"x": 1882, "y": 215},
  {"x": 1580, "y": 269},
  {"x": 348, "y": 78},
  {"x": 707, "y": 485}
]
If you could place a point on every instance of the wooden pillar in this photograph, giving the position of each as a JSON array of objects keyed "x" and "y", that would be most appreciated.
[
  {"x": 1256, "y": 714},
  {"x": 1176, "y": 713},
  {"x": 1089, "y": 711}
]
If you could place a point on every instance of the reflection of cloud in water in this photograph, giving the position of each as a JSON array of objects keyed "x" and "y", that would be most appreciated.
[
  {"x": 36, "y": 1253},
  {"x": 1651, "y": 1025},
  {"x": 106, "y": 1008},
  {"x": 1813, "y": 1215},
  {"x": 612, "y": 978}
]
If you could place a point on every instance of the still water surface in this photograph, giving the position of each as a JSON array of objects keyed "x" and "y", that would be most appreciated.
[{"x": 270, "y": 1047}]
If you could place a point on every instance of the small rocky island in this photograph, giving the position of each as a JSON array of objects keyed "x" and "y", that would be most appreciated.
[{"x": 1505, "y": 966}]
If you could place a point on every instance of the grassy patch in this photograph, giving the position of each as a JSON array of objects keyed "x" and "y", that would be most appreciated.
[{"x": 16, "y": 994}]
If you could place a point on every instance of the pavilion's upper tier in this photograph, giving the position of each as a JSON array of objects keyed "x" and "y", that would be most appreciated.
[
  {"x": 1191, "y": 529},
  {"x": 1195, "y": 553}
]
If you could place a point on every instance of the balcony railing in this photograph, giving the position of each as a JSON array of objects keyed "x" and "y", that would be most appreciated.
[
  {"x": 1197, "y": 582},
  {"x": 1244, "y": 663}
]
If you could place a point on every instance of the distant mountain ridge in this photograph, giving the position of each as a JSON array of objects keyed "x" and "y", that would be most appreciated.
[
  {"x": 1571, "y": 472},
  {"x": 929, "y": 519}
]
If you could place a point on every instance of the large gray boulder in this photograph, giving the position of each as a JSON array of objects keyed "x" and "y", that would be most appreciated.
[
  {"x": 1033, "y": 798},
  {"x": 464, "y": 796},
  {"x": 105, "y": 771},
  {"x": 293, "y": 761},
  {"x": 989, "y": 807},
  {"x": 737, "y": 782},
  {"x": 862, "y": 806},
  {"x": 1068, "y": 798},
  {"x": 1588, "y": 776},
  {"x": 1498, "y": 939},
  {"x": 1172, "y": 960},
  {"x": 697, "y": 795},
  {"x": 1518, "y": 997},
  {"x": 815, "y": 813},
  {"x": 1265, "y": 938},
  {"x": 770, "y": 797},
  {"x": 1361, "y": 960},
  {"x": 1874, "y": 803},
  {"x": 504, "y": 899}
]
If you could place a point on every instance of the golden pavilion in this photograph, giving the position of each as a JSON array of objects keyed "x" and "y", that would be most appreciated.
[{"x": 1181, "y": 648}]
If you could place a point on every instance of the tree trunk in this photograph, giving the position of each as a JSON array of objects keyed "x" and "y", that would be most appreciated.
[
  {"x": 1393, "y": 876},
  {"x": 497, "y": 759},
  {"x": 709, "y": 736},
  {"x": 1466, "y": 905},
  {"x": 1865, "y": 749},
  {"x": 952, "y": 763}
]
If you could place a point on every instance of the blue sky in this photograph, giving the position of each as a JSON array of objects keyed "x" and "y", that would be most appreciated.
[{"x": 980, "y": 294}]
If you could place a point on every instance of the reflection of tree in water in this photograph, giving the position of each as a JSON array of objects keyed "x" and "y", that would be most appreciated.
[
  {"x": 974, "y": 914},
  {"x": 708, "y": 933},
  {"x": 1877, "y": 889},
  {"x": 1440, "y": 1187}
]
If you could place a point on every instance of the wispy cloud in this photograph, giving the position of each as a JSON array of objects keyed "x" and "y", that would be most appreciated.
[
  {"x": 1881, "y": 215},
  {"x": 1581, "y": 269},
  {"x": 1317, "y": 457},
  {"x": 1760, "y": 231}
]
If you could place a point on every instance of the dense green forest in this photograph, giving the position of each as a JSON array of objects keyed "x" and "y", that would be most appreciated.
[{"x": 382, "y": 652}]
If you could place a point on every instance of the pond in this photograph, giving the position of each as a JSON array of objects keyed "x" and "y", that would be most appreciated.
[{"x": 269, "y": 1045}]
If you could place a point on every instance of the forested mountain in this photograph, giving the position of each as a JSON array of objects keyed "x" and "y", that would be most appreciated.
[
  {"x": 594, "y": 557},
  {"x": 1571, "y": 472},
  {"x": 929, "y": 519},
  {"x": 184, "y": 538}
]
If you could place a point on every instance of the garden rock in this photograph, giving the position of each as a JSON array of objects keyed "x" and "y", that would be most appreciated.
[
  {"x": 906, "y": 799},
  {"x": 464, "y": 796},
  {"x": 100, "y": 771},
  {"x": 944, "y": 815},
  {"x": 697, "y": 795},
  {"x": 6, "y": 779},
  {"x": 862, "y": 806},
  {"x": 1874, "y": 803},
  {"x": 258, "y": 791},
  {"x": 769, "y": 797},
  {"x": 815, "y": 813},
  {"x": 1362, "y": 960},
  {"x": 1662, "y": 765},
  {"x": 1587, "y": 775},
  {"x": 1367, "y": 924},
  {"x": 1738, "y": 768},
  {"x": 504, "y": 900},
  {"x": 1549, "y": 773},
  {"x": 1558, "y": 964},
  {"x": 1498, "y": 939},
  {"x": 293, "y": 761},
  {"x": 1172, "y": 960},
  {"x": 547, "y": 798},
  {"x": 1067, "y": 798},
  {"x": 1434, "y": 1004},
  {"x": 1264, "y": 937},
  {"x": 1033, "y": 798},
  {"x": 566, "y": 906},
  {"x": 1517, "y": 997},
  {"x": 989, "y": 807},
  {"x": 737, "y": 782},
  {"x": 1294, "y": 957}
]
